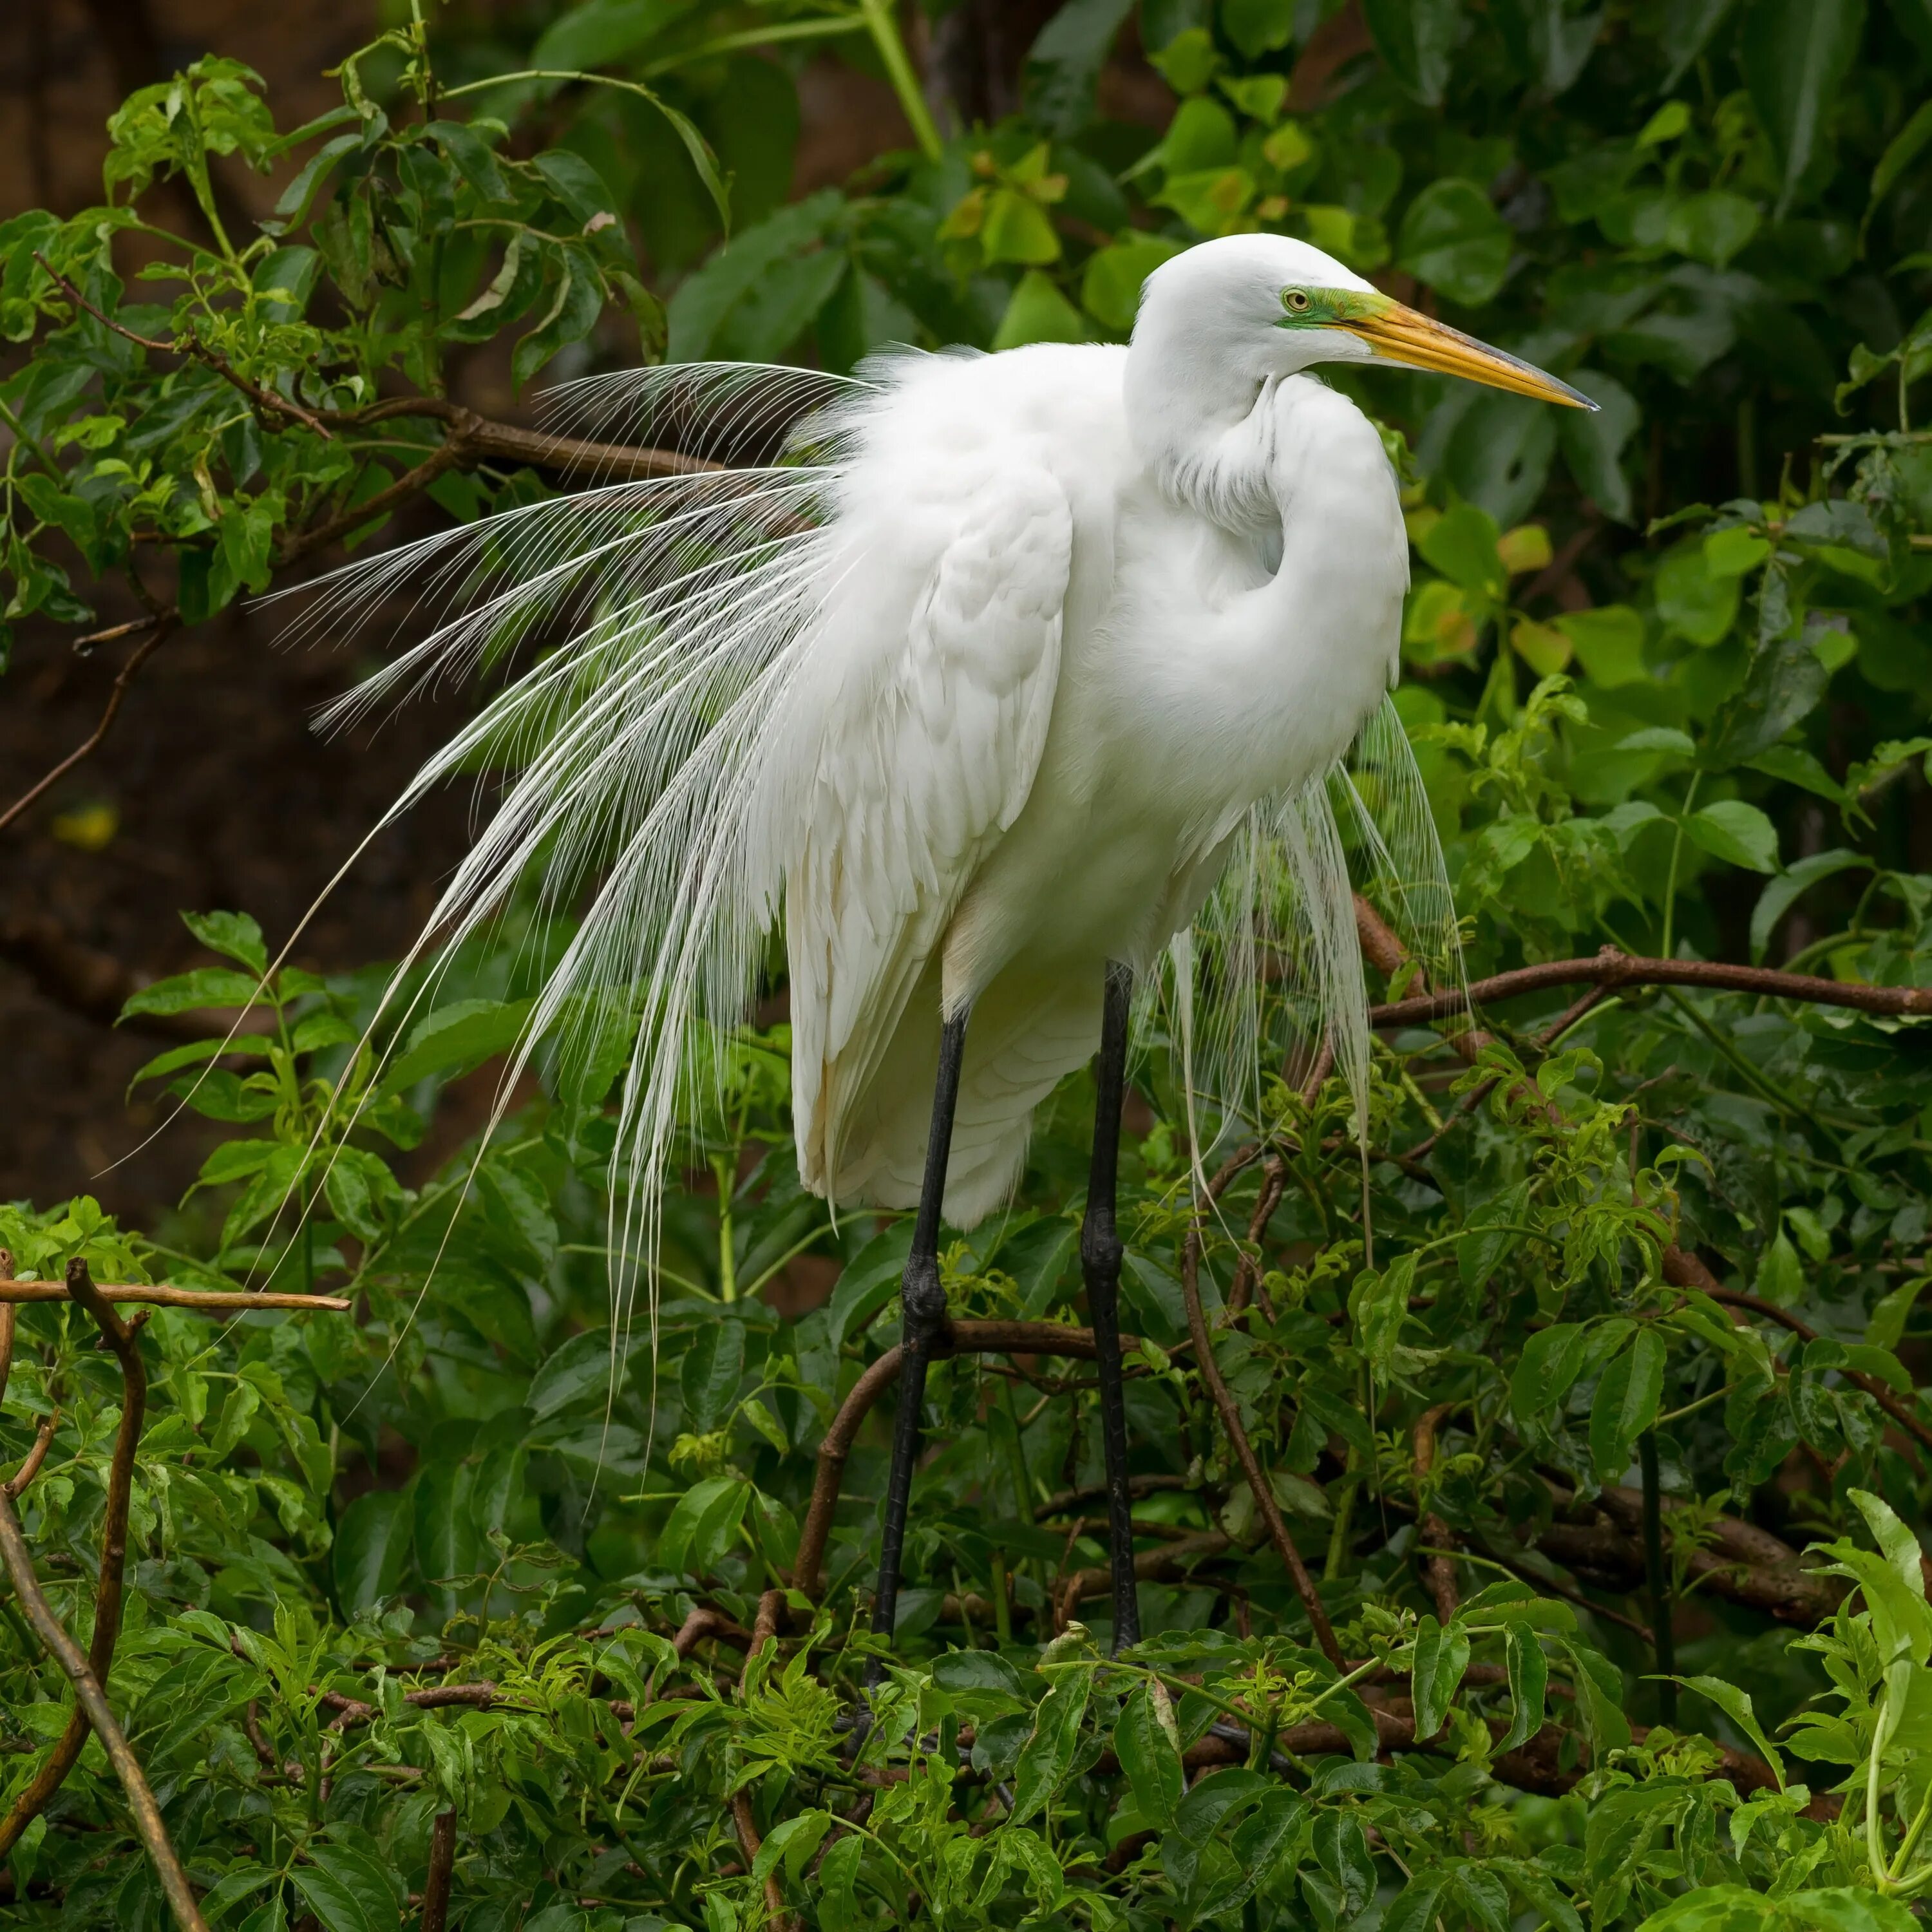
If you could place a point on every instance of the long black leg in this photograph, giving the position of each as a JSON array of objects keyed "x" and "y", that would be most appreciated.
[
  {"x": 1100, "y": 1268},
  {"x": 924, "y": 1301}
]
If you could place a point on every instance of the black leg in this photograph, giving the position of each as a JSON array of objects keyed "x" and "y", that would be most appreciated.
[
  {"x": 1100, "y": 1268},
  {"x": 924, "y": 1302}
]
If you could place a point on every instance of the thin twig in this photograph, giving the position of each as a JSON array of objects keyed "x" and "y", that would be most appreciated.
[
  {"x": 263, "y": 398},
  {"x": 1244, "y": 1451},
  {"x": 163, "y": 627},
  {"x": 30, "y": 1467}
]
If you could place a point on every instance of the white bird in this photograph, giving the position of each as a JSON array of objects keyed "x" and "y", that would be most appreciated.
[{"x": 984, "y": 691}]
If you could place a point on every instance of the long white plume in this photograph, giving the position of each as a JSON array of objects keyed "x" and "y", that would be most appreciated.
[
  {"x": 1277, "y": 939},
  {"x": 668, "y": 618}
]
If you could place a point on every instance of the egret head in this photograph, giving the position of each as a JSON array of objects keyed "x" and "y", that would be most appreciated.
[{"x": 1255, "y": 306}]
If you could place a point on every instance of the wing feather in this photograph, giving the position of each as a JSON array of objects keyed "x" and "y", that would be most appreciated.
[{"x": 913, "y": 785}]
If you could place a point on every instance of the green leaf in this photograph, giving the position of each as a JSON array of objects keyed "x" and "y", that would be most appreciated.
[
  {"x": 711, "y": 1369},
  {"x": 1017, "y": 229},
  {"x": 1736, "y": 832},
  {"x": 794, "y": 1841},
  {"x": 1461, "y": 544},
  {"x": 348, "y": 1891},
  {"x": 1886, "y": 1328},
  {"x": 455, "y": 1040},
  {"x": 1551, "y": 1360},
  {"x": 1528, "y": 1669},
  {"x": 372, "y": 1543},
  {"x": 1110, "y": 283},
  {"x": 1047, "y": 1756},
  {"x": 233, "y": 934},
  {"x": 1418, "y": 1906},
  {"x": 1735, "y": 1704},
  {"x": 1342, "y": 1850},
  {"x": 1795, "y": 55},
  {"x": 1781, "y": 893},
  {"x": 215, "y": 988},
  {"x": 1626, "y": 1403},
  {"x": 580, "y": 1369},
  {"x": 1064, "y": 65},
  {"x": 602, "y": 33},
  {"x": 1038, "y": 312},
  {"x": 1417, "y": 38},
  {"x": 1737, "y": 1908},
  {"x": 1453, "y": 239},
  {"x": 1441, "y": 1656},
  {"x": 1148, "y": 1757},
  {"x": 700, "y": 1528}
]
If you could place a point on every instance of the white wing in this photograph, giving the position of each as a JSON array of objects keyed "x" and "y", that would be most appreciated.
[{"x": 930, "y": 736}]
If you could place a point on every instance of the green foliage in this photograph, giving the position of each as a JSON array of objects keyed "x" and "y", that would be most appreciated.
[{"x": 432, "y": 1555}]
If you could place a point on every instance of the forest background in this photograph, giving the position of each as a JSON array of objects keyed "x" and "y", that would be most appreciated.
[{"x": 1559, "y": 1565}]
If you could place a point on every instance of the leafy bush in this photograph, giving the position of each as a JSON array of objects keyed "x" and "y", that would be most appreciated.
[{"x": 465, "y": 1583}]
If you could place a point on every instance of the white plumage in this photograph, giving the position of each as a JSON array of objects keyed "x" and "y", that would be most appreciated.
[{"x": 1006, "y": 668}]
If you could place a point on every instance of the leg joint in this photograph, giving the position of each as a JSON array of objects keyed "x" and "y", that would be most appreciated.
[
  {"x": 1100, "y": 1252},
  {"x": 923, "y": 1300}
]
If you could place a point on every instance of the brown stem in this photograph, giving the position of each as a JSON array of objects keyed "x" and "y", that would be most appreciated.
[
  {"x": 7, "y": 1320},
  {"x": 481, "y": 440},
  {"x": 1439, "y": 1571},
  {"x": 107, "y": 1594},
  {"x": 35, "y": 1457},
  {"x": 164, "y": 626},
  {"x": 445, "y": 456},
  {"x": 770, "y": 1619},
  {"x": 1612, "y": 969},
  {"x": 1016, "y": 1338},
  {"x": 442, "y": 1861},
  {"x": 1248, "y": 1269},
  {"x": 160, "y": 1295},
  {"x": 1244, "y": 1451},
  {"x": 749, "y": 1843}
]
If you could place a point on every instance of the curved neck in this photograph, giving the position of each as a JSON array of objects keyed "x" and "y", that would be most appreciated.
[{"x": 1199, "y": 424}]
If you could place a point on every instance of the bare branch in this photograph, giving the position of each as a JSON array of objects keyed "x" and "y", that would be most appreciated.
[
  {"x": 1612, "y": 969},
  {"x": 160, "y": 629},
  {"x": 209, "y": 1301}
]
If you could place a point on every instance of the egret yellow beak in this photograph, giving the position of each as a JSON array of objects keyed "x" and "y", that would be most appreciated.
[{"x": 1397, "y": 333}]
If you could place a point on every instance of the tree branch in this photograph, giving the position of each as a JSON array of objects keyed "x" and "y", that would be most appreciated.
[
  {"x": 161, "y": 628},
  {"x": 89, "y": 1674},
  {"x": 441, "y": 1860},
  {"x": 1612, "y": 969},
  {"x": 207, "y": 1300}
]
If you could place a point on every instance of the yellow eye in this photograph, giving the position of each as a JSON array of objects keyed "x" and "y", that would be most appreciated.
[{"x": 1295, "y": 300}]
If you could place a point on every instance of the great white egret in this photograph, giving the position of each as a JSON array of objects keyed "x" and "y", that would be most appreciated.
[{"x": 984, "y": 688}]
